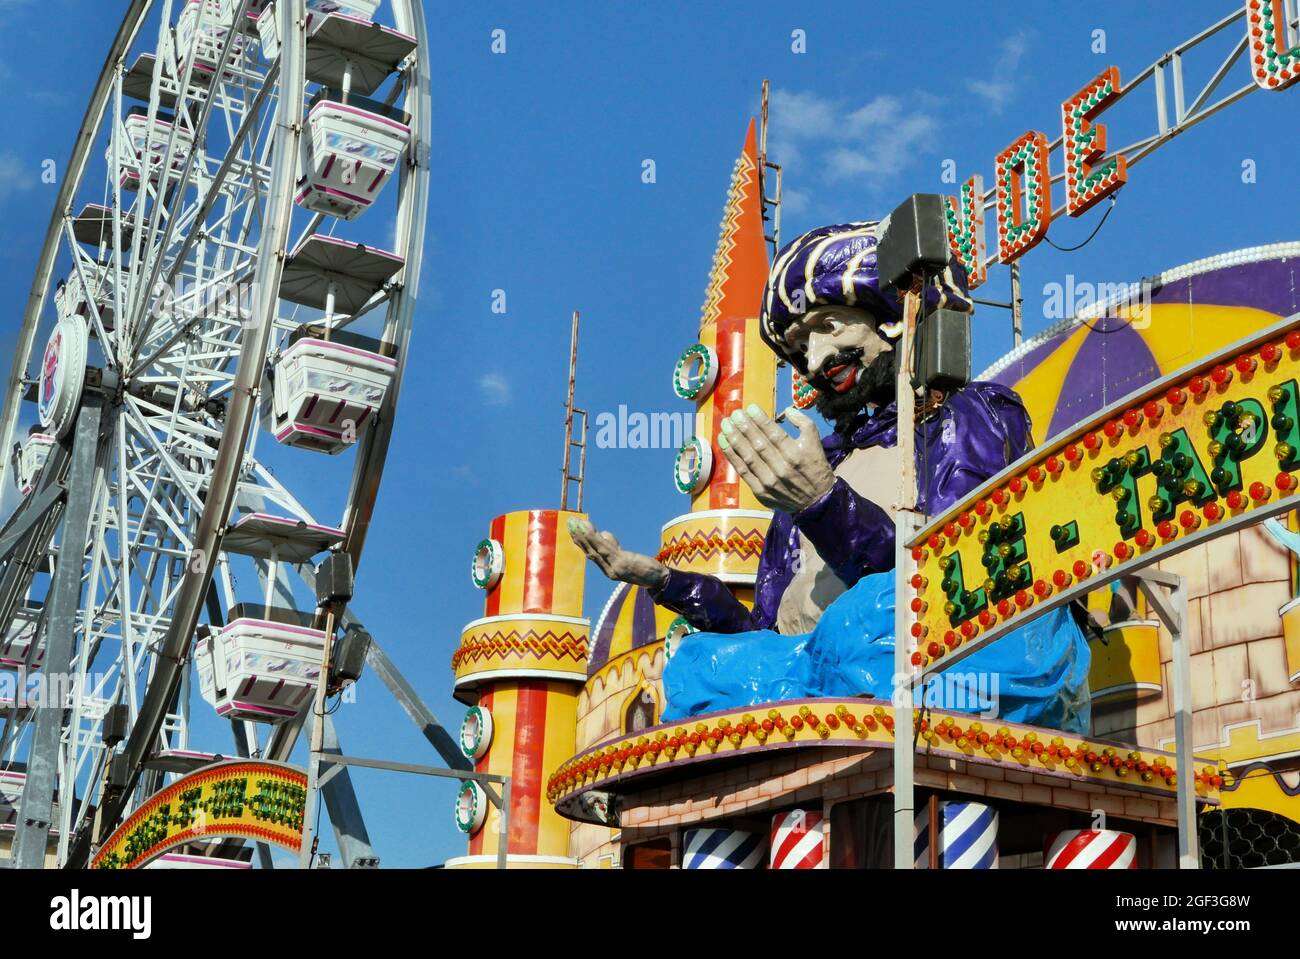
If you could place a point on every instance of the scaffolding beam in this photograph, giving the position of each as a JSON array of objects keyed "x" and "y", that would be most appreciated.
[{"x": 37, "y": 804}]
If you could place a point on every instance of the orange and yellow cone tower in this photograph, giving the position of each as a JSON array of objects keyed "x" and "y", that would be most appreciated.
[
  {"x": 728, "y": 368},
  {"x": 521, "y": 668}
]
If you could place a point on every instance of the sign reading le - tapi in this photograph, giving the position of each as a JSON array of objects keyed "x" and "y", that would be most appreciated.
[
  {"x": 257, "y": 800},
  {"x": 1197, "y": 453}
]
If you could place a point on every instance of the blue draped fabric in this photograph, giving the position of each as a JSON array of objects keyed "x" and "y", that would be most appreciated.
[{"x": 1037, "y": 674}]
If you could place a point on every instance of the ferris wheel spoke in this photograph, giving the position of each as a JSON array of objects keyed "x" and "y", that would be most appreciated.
[
  {"x": 90, "y": 292},
  {"x": 155, "y": 261}
]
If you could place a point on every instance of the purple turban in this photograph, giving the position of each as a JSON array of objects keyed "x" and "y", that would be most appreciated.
[{"x": 836, "y": 265}]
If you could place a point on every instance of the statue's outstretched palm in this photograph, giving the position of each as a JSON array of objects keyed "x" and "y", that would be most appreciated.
[{"x": 619, "y": 564}]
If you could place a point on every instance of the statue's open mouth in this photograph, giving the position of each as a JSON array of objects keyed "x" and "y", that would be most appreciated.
[{"x": 843, "y": 377}]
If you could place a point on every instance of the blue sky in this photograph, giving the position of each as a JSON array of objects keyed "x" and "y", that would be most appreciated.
[{"x": 537, "y": 191}]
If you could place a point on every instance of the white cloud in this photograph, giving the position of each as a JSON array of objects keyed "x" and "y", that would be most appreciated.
[
  {"x": 997, "y": 90},
  {"x": 827, "y": 141},
  {"x": 17, "y": 174},
  {"x": 495, "y": 389}
]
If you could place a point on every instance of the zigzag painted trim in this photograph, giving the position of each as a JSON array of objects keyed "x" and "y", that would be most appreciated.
[
  {"x": 502, "y": 645},
  {"x": 705, "y": 546}
]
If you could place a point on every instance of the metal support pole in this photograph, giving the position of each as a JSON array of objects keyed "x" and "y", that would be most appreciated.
[
  {"x": 1015, "y": 304},
  {"x": 568, "y": 422},
  {"x": 904, "y": 519},
  {"x": 344, "y": 811},
  {"x": 317, "y": 744},
  {"x": 1171, "y": 607},
  {"x": 503, "y": 842},
  {"x": 37, "y": 804},
  {"x": 934, "y": 830},
  {"x": 29, "y": 514},
  {"x": 420, "y": 714}
]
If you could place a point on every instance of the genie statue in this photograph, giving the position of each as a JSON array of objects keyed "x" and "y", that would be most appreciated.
[{"x": 822, "y": 619}]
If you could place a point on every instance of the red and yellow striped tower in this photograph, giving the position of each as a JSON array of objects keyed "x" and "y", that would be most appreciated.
[
  {"x": 728, "y": 368},
  {"x": 521, "y": 668}
]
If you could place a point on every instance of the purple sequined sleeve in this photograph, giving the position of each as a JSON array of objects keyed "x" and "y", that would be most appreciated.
[
  {"x": 851, "y": 534},
  {"x": 709, "y": 605}
]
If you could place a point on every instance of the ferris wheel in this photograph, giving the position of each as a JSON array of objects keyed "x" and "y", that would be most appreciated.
[{"x": 228, "y": 279}]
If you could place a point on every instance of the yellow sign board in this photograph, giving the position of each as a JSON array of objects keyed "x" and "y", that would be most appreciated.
[
  {"x": 250, "y": 799},
  {"x": 1200, "y": 452}
]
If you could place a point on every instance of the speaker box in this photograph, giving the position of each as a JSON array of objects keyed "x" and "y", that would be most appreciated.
[
  {"x": 943, "y": 350},
  {"x": 915, "y": 239},
  {"x": 334, "y": 579}
]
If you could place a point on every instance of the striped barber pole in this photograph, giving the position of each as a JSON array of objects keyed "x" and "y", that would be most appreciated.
[
  {"x": 798, "y": 840},
  {"x": 722, "y": 849},
  {"x": 968, "y": 837},
  {"x": 1091, "y": 849}
]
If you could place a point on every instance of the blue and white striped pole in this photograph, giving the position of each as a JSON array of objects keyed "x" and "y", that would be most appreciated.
[{"x": 968, "y": 837}]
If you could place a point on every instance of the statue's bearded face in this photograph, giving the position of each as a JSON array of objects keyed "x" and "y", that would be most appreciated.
[{"x": 848, "y": 361}]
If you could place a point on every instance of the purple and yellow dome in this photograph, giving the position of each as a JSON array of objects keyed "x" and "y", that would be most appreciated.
[
  {"x": 630, "y": 620},
  {"x": 1085, "y": 363}
]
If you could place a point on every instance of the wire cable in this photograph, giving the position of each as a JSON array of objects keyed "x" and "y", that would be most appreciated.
[{"x": 1092, "y": 235}]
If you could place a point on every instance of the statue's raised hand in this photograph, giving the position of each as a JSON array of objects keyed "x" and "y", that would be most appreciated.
[
  {"x": 786, "y": 473},
  {"x": 614, "y": 561}
]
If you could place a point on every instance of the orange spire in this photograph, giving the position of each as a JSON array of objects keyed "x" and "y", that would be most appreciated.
[
  {"x": 740, "y": 262},
  {"x": 723, "y": 532},
  {"x": 729, "y": 325}
]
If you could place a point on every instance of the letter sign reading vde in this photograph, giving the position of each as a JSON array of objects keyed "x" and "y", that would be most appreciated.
[{"x": 1022, "y": 179}]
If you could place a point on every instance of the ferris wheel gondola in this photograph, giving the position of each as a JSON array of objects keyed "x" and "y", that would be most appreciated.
[{"x": 201, "y": 282}]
